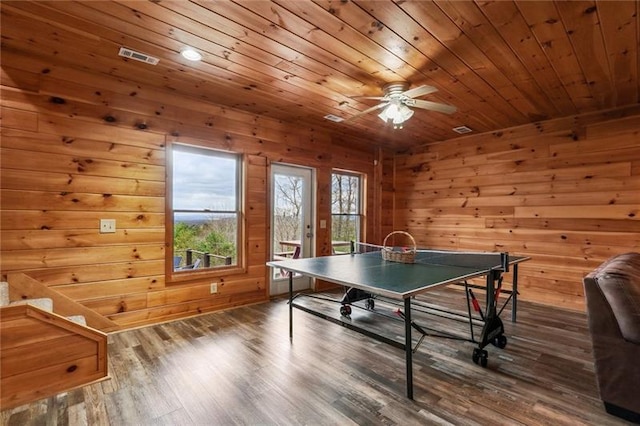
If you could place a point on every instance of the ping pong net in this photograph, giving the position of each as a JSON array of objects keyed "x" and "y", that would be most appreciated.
[{"x": 465, "y": 259}]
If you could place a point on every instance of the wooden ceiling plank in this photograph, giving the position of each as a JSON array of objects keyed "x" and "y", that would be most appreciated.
[
  {"x": 469, "y": 19},
  {"x": 513, "y": 29},
  {"x": 618, "y": 23},
  {"x": 21, "y": 25},
  {"x": 273, "y": 15},
  {"x": 170, "y": 112},
  {"x": 86, "y": 35},
  {"x": 440, "y": 26},
  {"x": 247, "y": 67},
  {"x": 159, "y": 22},
  {"x": 580, "y": 19},
  {"x": 314, "y": 85},
  {"x": 248, "y": 83},
  {"x": 113, "y": 85},
  {"x": 450, "y": 90},
  {"x": 358, "y": 19},
  {"x": 290, "y": 19},
  {"x": 406, "y": 26},
  {"x": 329, "y": 22},
  {"x": 256, "y": 30},
  {"x": 545, "y": 23},
  {"x": 53, "y": 79},
  {"x": 268, "y": 64},
  {"x": 23, "y": 81},
  {"x": 135, "y": 67},
  {"x": 205, "y": 37},
  {"x": 47, "y": 41},
  {"x": 323, "y": 29},
  {"x": 279, "y": 79},
  {"x": 120, "y": 68}
]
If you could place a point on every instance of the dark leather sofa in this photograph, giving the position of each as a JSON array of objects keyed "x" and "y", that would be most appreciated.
[{"x": 612, "y": 293}]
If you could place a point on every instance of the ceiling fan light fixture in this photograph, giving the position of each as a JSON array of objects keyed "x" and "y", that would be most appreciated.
[
  {"x": 397, "y": 113},
  {"x": 393, "y": 111},
  {"x": 388, "y": 113},
  {"x": 405, "y": 112}
]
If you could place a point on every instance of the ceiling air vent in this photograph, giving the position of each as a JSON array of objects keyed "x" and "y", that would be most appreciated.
[
  {"x": 462, "y": 130},
  {"x": 128, "y": 53},
  {"x": 334, "y": 118}
]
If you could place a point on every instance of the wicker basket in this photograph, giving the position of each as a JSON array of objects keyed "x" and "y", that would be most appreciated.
[{"x": 403, "y": 256}]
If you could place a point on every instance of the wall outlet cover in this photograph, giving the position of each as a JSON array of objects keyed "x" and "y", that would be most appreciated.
[{"x": 107, "y": 226}]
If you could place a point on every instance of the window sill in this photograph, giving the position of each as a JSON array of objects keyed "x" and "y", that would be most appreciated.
[{"x": 180, "y": 277}]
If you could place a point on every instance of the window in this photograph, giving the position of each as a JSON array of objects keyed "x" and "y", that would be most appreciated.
[
  {"x": 346, "y": 208},
  {"x": 205, "y": 207}
]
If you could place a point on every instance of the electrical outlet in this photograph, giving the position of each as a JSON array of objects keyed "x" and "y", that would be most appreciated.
[
  {"x": 213, "y": 288},
  {"x": 107, "y": 226}
]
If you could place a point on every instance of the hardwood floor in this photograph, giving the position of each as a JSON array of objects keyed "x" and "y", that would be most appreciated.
[{"x": 239, "y": 367}]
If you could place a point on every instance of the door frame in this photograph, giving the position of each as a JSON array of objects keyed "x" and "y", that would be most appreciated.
[{"x": 280, "y": 285}]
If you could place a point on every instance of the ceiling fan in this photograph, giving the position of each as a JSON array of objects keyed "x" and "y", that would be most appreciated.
[{"x": 398, "y": 98}]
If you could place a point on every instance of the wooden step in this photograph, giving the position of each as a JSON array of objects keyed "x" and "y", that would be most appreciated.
[
  {"x": 4, "y": 293},
  {"x": 80, "y": 319},
  {"x": 42, "y": 354},
  {"x": 22, "y": 286},
  {"x": 43, "y": 303}
]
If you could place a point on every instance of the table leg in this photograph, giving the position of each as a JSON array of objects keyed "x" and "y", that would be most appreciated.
[
  {"x": 408, "y": 347},
  {"x": 290, "y": 305},
  {"x": 514, "y": 289},
  {"x": 492, "y": 277}
]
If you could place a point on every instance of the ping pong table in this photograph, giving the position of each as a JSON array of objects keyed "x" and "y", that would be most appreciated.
[{"x": 370, "y": 273}]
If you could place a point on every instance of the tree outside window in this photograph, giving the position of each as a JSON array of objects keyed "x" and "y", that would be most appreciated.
[
  {"x": 287, "y": 208},
  {"x": 205, "y": 208},
  {"x": 346, "y": 207}
]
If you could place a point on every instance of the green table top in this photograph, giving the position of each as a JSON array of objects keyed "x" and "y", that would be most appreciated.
[{"x": 370, "y": 272}]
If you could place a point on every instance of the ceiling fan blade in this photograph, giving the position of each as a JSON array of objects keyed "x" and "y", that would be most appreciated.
[
  {"x": 367, "y": 111},
  {"x": 419, "y": 91},
  {"x": 379, "y": 98},
  {"x": 433, "y": 106}
]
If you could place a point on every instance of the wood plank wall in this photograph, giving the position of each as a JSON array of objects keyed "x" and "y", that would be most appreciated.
[
  {"x": 564, "y": 192},
  {"x": 74, "y": 151}
]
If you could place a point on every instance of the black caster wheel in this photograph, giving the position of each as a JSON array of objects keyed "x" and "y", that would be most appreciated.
[
  {"x": 480, "y": 356},
  {"x": 484, "y": 359},
  {"x": 500, "y": 341},
  {"x": 345, "y": 310},
  {"x": 370, "y": 304}
]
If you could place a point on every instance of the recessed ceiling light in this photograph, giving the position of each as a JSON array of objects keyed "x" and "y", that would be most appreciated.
[{"x": 190, "y": 54}]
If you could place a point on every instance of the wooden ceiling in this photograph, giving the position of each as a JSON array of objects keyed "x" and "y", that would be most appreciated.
[{"x": 501, "y": 63}]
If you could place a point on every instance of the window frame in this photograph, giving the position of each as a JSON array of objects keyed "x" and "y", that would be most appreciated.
[
  {"x": 360, "y": 205},
  {"x": 240, "y": 265}
]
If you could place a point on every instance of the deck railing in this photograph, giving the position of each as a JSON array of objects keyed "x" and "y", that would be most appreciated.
[{"x": 207, "y": 259}]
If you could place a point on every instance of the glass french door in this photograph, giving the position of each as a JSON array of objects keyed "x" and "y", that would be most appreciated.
[{"x": 291, "y": 222}]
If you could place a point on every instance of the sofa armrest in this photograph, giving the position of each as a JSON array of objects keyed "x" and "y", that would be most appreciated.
[{"x": 616, "y": 359}]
